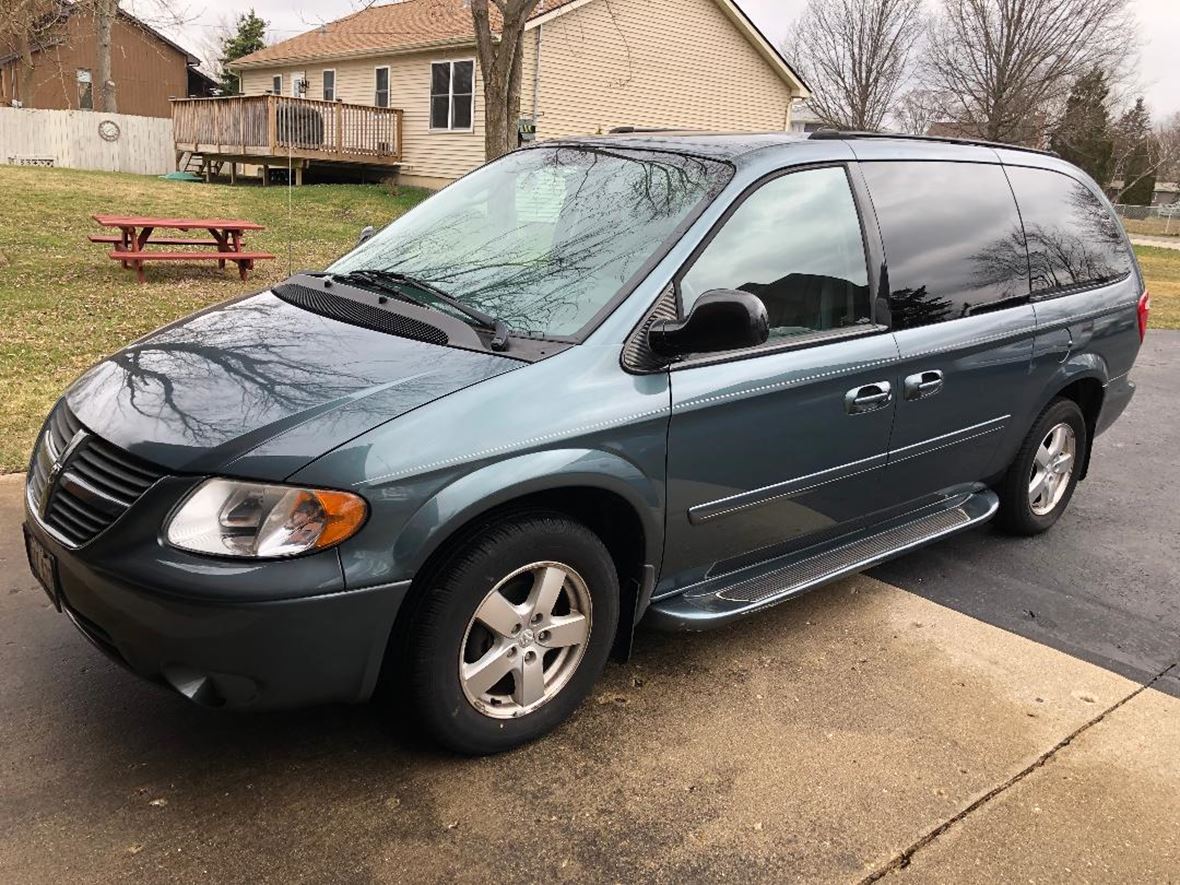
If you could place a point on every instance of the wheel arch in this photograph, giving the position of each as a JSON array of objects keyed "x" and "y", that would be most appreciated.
[{"x": 604, "y": 491}]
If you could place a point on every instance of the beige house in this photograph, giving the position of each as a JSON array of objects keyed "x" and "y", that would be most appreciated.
[{"x": 588, "y": 66}]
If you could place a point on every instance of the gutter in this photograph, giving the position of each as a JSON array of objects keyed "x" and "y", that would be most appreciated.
[
  {"x": 536, "y": 74},
  {"x": 385, "y": 52}
]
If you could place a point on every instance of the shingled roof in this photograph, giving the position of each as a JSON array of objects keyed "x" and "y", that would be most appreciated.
[{"x": 394, "y": 27}]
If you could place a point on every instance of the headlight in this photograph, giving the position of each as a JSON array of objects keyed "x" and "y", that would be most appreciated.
[{"x": 231, "y": 518}]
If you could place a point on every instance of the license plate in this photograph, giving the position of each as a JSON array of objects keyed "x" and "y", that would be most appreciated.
[{"x": 44, "y": 567}]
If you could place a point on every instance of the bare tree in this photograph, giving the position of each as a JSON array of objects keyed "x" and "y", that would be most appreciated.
[
  {"x": 915, "y": 111},
  {"x": 1006, "y": 66},
  {"x": 500, "y": 63},
  {"x": 1168, "y": 135},
  {"x": 855, "y": 56}
]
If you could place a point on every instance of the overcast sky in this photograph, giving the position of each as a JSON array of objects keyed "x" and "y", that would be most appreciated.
[{"x": 1159, "y": 22}]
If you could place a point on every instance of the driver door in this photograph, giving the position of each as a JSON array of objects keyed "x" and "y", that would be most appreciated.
[{"x": 774, "y": 448}]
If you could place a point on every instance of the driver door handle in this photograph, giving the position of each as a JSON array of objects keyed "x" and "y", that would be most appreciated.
[
  {"x": 868, "y": 398},
  {"x": 923, "y": 384}
]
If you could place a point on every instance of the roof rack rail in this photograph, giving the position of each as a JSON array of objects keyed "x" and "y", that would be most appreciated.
[
  {"x": 628, "y": 130},
  {"x": 841, "y": 135}
]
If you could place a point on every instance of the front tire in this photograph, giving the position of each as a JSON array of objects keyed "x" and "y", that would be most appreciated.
[
  {"x": 1041, "y": 480},
  {"x": 513, "y": 632}
]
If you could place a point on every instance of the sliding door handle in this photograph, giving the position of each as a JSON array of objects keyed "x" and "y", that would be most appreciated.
[
  {"x": 868, "y": 398},
  {"x": 923, "y": 384}
]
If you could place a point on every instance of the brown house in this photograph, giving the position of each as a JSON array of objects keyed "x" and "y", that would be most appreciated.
[{"x": 147, "y": 67}]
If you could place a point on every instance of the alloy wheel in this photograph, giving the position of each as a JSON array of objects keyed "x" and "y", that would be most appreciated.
[
  {"x": 1052, "y": 468},
  {"x": 525, "y": 640}
]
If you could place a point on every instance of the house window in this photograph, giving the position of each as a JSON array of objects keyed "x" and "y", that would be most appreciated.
[
  {"x": 298, "y": 84},
  {"x": 276, "y": 85},
  {"x": 329, "y": 85},
  {"x": 452, "y": 94},
  {"x": 85, "y": 90},
  {"x": 381, "y": 95}
]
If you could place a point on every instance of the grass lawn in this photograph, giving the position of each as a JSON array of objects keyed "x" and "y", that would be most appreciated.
[
  {"x": 1161, "y": 268},
  {"x": 64, "y": 304}
]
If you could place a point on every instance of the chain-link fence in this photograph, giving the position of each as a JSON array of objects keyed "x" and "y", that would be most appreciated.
[{"x": 1151, "y": 220}]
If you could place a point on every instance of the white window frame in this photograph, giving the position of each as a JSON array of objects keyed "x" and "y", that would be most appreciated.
[
  {"x": 279, "y": 90},
  {"x": 450, "y": 95},
  {"x": 388, "y": 86},
  {"x": 297, "y": 77},
  {"x": 323, "y": 92}
]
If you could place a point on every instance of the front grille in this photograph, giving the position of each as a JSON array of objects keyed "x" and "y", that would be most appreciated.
[
  {"x": 95, "y": 485},
  {"x": 357, "y": 314}
]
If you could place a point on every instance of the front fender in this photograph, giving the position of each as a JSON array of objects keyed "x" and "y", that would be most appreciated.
[{"x": 500, "y": 483}]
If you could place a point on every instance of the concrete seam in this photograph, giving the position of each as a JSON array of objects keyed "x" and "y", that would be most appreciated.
[{"x": 902, "y": 860}]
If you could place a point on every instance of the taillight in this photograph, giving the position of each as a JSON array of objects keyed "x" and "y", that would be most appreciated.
[{"x": 1144, "y": 313}]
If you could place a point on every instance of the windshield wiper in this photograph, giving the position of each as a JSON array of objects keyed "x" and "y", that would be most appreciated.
[{"x": 395, "y": 283}]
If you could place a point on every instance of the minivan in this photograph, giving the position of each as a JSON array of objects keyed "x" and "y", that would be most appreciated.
[{"x": 663, "y": 377}]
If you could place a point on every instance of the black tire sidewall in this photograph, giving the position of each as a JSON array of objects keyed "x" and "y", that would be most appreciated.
[
  {"x": 1016, "y": 512},
  {"x": 461, "y": 585}
]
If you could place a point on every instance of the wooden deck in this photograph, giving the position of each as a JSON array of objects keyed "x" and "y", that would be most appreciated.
[{"x": 270, "y": 129}]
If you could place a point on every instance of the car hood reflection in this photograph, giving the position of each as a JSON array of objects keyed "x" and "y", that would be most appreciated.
[{"x": 259, "y": 387}]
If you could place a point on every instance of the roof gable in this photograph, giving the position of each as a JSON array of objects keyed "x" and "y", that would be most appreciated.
[
  {"x": 769, "y": 52},
  {"x": 392, "y": 27}
]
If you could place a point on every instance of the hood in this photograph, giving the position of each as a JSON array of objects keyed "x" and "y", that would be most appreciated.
[{"x": 259, "y": 387}]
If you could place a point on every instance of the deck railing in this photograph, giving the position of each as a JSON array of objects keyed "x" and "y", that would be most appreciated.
[{"x": 276, "y": 125}]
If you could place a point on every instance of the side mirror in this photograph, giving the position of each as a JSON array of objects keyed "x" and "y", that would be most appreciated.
[
  {"x": 366, "y": 234},
  {"x": 721, "y": 319}
]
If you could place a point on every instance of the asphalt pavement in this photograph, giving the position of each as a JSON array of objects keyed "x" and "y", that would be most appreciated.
[{"x": 1104, "y": 584}]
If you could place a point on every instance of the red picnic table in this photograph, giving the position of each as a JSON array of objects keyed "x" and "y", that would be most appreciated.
[{"x": 136, "y": 234}]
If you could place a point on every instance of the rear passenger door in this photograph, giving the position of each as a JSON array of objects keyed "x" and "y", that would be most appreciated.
[{"x": 959, "y": 299}]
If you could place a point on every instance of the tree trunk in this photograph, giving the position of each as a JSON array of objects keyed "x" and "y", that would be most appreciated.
[
  {"x": 104, "y": 17},
  {"x": 500, "y": 62},
  {"x": 28, "y": 68}
]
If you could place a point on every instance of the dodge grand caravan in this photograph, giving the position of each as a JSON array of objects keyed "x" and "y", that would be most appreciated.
[{"x": 676, "y": 378}]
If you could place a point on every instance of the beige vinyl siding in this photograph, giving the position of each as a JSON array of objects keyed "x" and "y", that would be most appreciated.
[
  {"x": 429, "y": 158},
  {"x": 660, "y": 63}
]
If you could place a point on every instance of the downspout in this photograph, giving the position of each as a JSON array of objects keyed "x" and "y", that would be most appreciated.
[{"x": 537, "y": 73}]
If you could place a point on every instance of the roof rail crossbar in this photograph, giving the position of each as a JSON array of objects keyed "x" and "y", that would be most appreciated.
[{"x": 841, "y": 135}]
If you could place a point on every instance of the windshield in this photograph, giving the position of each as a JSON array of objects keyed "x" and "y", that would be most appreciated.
[{"x": 544, "y": 238}]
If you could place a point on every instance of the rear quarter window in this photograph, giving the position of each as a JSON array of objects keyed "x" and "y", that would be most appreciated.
[
  {"x": 1073, "y": 239},
  {"x": 953, "y": 240}
]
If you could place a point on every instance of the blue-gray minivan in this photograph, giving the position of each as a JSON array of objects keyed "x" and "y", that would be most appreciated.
[{"x": 676, "y": 378}]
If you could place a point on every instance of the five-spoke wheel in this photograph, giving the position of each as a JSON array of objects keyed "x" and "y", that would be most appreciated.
[
  {"x": 508, "y": 634},
  {"x": 525, "y": 640},
  {"x": 1052, "y": 468},
  {"x": 1038, "y": 485}
]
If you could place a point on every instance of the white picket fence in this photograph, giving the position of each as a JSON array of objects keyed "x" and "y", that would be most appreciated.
[{"x": 86, "y": 140}]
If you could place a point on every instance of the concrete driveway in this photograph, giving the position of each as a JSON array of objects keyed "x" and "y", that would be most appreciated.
[{"x": 860, "y": 733}]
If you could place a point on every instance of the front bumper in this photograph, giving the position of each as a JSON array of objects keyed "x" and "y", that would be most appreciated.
[{"x": 224, "y": 633}]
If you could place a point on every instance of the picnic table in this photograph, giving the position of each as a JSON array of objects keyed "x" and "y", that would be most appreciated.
[{"x": 137, "y": 233}]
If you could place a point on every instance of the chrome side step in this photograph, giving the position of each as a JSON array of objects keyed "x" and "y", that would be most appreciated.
[{"x": 705, "y": 607}]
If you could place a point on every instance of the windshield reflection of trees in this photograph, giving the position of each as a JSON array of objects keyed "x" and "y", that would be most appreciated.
[
  {"x": 551, "y": 276},
  {"x": 208, "y": 377}
]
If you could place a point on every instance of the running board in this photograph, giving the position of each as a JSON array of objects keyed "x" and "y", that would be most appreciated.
[{"x": 703, "y": 609}]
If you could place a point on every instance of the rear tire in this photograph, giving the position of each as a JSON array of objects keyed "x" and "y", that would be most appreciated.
[
  {"x": 1041, "y": 479},
  {"x": 514, "y": 630}
]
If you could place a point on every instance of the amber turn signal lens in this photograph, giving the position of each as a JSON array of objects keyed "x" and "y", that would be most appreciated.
[{"x": 345, "y": 514}]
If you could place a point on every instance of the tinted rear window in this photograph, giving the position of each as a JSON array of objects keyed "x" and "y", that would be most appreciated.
[
  {"x": 953, "y": 240},
  {"x": 1073, "y": 240}
]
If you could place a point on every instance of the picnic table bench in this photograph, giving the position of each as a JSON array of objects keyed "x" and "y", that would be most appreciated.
[{"x": 136, "y": 234}]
